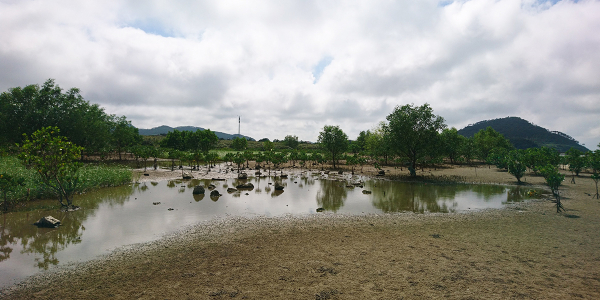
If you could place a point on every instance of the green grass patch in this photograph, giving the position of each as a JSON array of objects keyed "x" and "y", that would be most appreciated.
[{"x": 91, "y": 176}]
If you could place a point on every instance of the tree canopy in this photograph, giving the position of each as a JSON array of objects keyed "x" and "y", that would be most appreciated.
[
  {"x": 334, "y": 141},
  {"x": 413, "y": 132},
  {"x": 24, "y": 110}
]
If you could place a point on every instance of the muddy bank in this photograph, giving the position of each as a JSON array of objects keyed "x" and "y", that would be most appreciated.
[{"x": 524, "y": 251}]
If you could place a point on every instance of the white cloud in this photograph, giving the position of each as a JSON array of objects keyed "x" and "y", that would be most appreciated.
[{"x": 291, "y": 67}]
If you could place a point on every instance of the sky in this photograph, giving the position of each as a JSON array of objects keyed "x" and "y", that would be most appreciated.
[{"x": 291, "y": 67}]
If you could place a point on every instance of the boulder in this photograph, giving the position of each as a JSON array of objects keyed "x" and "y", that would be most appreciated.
[
  {"x": 381, "y": 173},
  {"x": 247, "y": 185},
  {"x": 211, "y": 187},
  {"x": 366, "y": 192},
  {"x": 215, "y": 194},
  {"x": 320, "y": 209},
  {"x": 278, "y": 186},
  {"x": 187, "y": 175},
  {"x": 231, "y": 190},
  {"x": 198, "y": 190},
  {"x": 243, "y": 175},
  {"x": 47, "y": 222}
]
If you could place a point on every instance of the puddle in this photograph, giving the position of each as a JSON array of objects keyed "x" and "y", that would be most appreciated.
[{"x": 114, "y": 217}]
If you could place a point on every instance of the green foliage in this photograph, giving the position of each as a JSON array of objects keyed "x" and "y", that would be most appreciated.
[
  {"x": 488, "y": 139},
  {"x": 575, "y": 160},
  {"x": 55, "y": 160},
  {"x": 500, "y": 158},
  {"x": 267, "y": 145},
  {"x": 515, "y": 164},
  {"x": 537, "y": 158},
  {"x": 291, "y": 141},
  {"x": 8, "y": 184},
  {"x": 203, "y": 140},
  {"x": 451, "y": 143},
  {"x": 413, "y": 132},
  {"x": 24, "y": 110},
  {"x": 239, "y": 144},
  {"x": 334, "y": 141},
  {"x": 553, "y": 178},
  {"x": 124, "y": 134}
]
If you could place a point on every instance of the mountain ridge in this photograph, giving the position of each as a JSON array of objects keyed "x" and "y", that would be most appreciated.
[
  {"x": 164, "y": 129},
  {"x": 524, "y": 134}
]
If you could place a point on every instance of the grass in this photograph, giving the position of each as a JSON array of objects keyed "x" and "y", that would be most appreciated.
[{"x": 91, "y": 176}]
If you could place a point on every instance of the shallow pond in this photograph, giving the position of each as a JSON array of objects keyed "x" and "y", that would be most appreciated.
[{"x": 114, "y": 217}]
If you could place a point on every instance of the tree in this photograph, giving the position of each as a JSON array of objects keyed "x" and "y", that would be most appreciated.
[
  {"x": 451, "y": 143},
  {"x": 575, "y": 160},
  {"x": 239, "y": 144},
  {"x": 334, "y": 140},
  {"x": 7, "y": 184},
  {"x": 554, "y": 179},
  {"x": 291, "y": 141},
  {"x": 413, "y": 132},
  {"x": 23, "y": 110},
  {"x": 488, "y": 139},
  {"x": 361, "y": 140},
  {"x": 54, "y": 159},
  {"x": 515, "y": 164},
  {"x": 207, "y": 140},
  {"x": 267, "y": 145},
  {"x": 378, "y": 143},
  {"x": 124, "y": 134}
]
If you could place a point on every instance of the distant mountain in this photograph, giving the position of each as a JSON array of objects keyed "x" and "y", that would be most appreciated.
[
  {"x": 522, "y": 134},
  {"x": 166, "y": 129}
]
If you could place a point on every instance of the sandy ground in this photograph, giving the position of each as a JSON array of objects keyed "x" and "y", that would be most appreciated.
[{"x": 524, "y": 251}]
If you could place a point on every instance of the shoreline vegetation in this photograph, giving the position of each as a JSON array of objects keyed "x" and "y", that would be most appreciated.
[{"x": 526, "y": 250}]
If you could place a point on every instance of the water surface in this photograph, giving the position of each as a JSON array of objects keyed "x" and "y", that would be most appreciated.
[{"x": 114, "y": 217}]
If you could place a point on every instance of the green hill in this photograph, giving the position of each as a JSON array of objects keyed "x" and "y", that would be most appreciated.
[
  {"x": 522, "y": 134},
  {"x": 163, "y": 130}
]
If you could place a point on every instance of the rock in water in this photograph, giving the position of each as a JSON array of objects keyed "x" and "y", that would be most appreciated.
[
  {"x": 47, "y": 222},
  {"x": 187, "y": 175},
  {"x": 278, "y": 186},
  {"x": 198, "y": 190},
  {"x": 215, "y": 194},
  {"x": 243, "y": 176},
  {"x": 247, "y": 185}
]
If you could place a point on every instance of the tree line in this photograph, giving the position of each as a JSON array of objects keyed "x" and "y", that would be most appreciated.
[
  {"x": 411, "y": 137},
  {"x": 24, "y": 110}
]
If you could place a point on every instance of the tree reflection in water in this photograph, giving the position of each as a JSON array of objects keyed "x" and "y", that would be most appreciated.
[
  {"x": 47, "y": 242},
  {"x": 332, "y": 195}
]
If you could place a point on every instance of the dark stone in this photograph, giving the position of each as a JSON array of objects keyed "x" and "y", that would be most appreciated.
[
  {"x": 187, "y": 175},
  {"x": 47, "y": 222},
  {"x": 381, "y": 173},
  {"x": 215, "y": 194},
  {"x": 320, "y": 209},
  {"x": 218, "y": 179},
  {"x": 231, "y": 190},
  {"x": 211, "y": 187},
  {"x": 246, "y": 186},
  {"x": 278, "y": 186},
  {"x": 198, "y": 190},
  {"x": 340, "y": 172},
  {"x": 242, "y": 176},
  {"x": 146, "y": 174},
  {"x": 366, "y": 192}
]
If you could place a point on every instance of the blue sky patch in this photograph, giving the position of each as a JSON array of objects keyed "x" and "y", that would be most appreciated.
[{"x": 320, "y": 67}]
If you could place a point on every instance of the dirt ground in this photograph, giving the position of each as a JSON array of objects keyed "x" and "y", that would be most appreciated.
[{"x": 524, "y": 251}]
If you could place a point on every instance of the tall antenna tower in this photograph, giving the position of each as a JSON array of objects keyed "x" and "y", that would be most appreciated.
[{"x": 239, "y": 124}]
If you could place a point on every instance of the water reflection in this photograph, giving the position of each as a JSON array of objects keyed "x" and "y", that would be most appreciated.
[
  {"x": 332, "y": 195},
  {"x": 115, "y": 217}
]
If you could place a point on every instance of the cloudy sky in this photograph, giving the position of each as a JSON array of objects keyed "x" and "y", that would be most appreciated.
[{"x": 291, "y": 67}]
